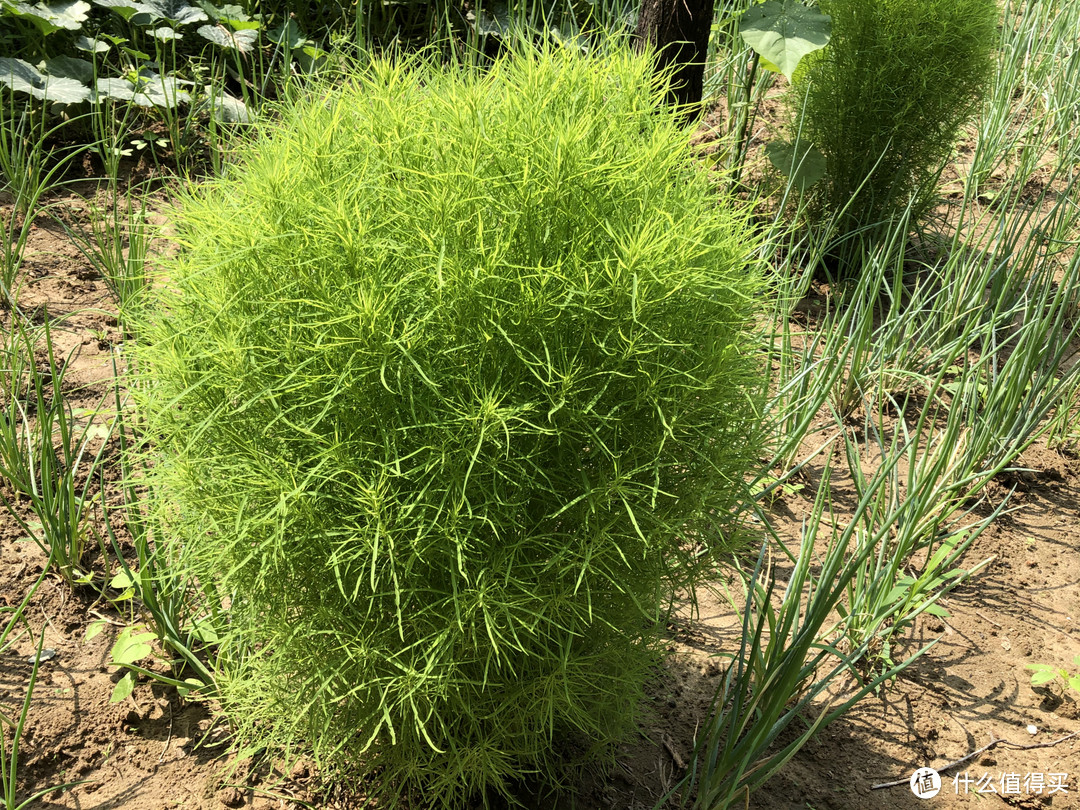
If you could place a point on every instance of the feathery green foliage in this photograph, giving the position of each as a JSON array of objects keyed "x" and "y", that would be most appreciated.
[
  {"x": 453, "y": 386},
  {"x": 885, "y": 100}
]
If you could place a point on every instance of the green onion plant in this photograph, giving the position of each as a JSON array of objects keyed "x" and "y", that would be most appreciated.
[
  {"x": 46, "y": 455},
  {"x": 792, "y": 651},
  {"x": 29, "y": 170},
  {"x": 9, "y": 757},
  {"x": 184, "y": 615},
  {"x": 116, "y": 245}
]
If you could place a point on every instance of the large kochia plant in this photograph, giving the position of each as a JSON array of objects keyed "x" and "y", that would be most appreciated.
[{"x": 452, "y": 387}]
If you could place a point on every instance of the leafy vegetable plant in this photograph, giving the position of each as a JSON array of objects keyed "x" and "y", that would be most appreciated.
[{"x": 452, "y": 387}]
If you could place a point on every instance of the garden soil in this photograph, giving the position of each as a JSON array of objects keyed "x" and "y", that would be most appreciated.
[{"x": 971, "y": 690}]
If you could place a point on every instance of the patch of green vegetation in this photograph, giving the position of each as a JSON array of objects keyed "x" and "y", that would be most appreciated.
[
  {"x": 453, "y": 388},
  {"x": 437, "y": 416}
]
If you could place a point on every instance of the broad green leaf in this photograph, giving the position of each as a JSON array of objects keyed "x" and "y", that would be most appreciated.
[
  {"x": 494, "y": 20},
  {"x": 1074, "y": 681},
  {"x": 159, "y": 91},
  {"x": 784, "y": 31},
  {"x": 765, "y": 63},
  {"x": 311, "y": 58},
  {"x": 120, "y": 581},
  {"x": 123, "y": 688},
  {"x": 23, "y": 77},
  {"x": 195, "y": 686},
  {"x": 93, "y": 629},
  {"x": 241, "y": 25},
  {"x": 177, "y": 12},
  {"x": 52, "y": 17},
  {"x": 133, "y": 644},
  {"x": 243, "y": 41},
  {"x": 289, "y": 35},
  {"x": 127, "y": 9},
  {"x": 165, "y": 34},
  {"x": 224, "y": 12},
  {"x": 1043, "y": 677},
  {"x": 68, "y": 67},
  {"x": 231, "y": 12},
  {"x": 225, "y": 108},
  {"x": 117, "y": 88},
  {"x": 91, "y": 45},
  {"x": 805, "y": 165},
  {"x": 152, "y": 90}
]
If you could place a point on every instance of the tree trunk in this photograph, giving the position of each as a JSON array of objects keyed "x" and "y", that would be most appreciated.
[{"x": 678, "y": 31}]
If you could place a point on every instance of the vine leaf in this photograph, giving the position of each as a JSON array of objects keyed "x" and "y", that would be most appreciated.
[
  {"x": 803, "y": 163},
  {"x": 68, "y": 67},
  {"x": 224, "y": 108},
  {"x": 178, "y": 12},
  {"x": 128, "y": 9},
  {"x": 784, "y": 31},
  {"x": 22, "y": 77},
  {"x": 243, "y": 41},
  {"x": 68, "y": 15},
  {"x": 124, "y": 687},
  {"x": 133, "y": 644},
  {"x": 147, "y": 89}
]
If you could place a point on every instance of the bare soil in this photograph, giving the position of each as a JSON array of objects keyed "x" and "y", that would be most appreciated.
[{"x": 155, "y": 750}]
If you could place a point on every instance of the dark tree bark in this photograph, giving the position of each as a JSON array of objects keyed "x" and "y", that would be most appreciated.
[{"x": 678, "y": 31}]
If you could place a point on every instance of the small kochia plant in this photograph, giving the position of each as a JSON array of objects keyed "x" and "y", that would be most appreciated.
[
  {"x": 885, "y": 100},
  {"x": 452, "y": 387}
]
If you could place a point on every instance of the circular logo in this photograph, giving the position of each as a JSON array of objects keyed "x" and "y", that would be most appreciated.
[{"x": 925, "y": 783}]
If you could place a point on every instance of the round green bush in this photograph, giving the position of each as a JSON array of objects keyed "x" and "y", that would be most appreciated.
[
  {"x": 452, "y": 385},
  {"x": 885, "y": 100}
]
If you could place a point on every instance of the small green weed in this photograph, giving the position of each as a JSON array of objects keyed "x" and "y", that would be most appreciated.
[{"x": 1047, "y": 673}]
